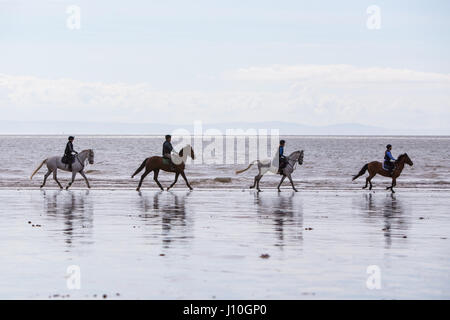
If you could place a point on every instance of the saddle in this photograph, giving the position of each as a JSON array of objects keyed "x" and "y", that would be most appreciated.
[
  {"x": 389, "y": 167},
  {"x": 167, "y": 161},
  {"x": 67, "y": 160}
]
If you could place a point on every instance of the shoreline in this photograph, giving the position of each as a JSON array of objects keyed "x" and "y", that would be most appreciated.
[{"x": 233, "y": 189}]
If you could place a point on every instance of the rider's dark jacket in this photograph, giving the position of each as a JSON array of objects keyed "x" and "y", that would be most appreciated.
[
  {"x": 68, "y": 156},
  {"x": 387, "y": 160},
  {"x": 167, "y": 148},
  {"x": 282, "y": 158}
]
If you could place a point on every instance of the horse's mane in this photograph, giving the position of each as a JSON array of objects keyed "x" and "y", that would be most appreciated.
[
  {"x": 180, "y": 153},
  {"x": 298, "y": 151},
  {"x": 400, "y": 157}
]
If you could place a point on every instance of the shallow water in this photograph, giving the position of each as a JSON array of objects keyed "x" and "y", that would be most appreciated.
[
  {"x": 207, "y": 244},
  {"x": 329, "y": 162}
]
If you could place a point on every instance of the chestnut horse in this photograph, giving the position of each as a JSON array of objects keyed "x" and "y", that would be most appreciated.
[
  {"x": 375, "y": 167},
  {"x": 157, "y": 163}
]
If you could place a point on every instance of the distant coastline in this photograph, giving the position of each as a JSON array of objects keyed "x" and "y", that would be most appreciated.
[{"x": 158, "y": 129}]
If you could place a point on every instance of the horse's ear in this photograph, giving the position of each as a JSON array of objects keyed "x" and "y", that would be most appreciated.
[{"x": 180, "y": 153}]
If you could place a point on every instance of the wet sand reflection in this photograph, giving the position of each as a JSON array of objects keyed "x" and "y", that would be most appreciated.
[
  {"x": 168, "y": 210},
  {"x": 287, "y": 217},
  {"x": 389, "y": 210},
  {"x": 75, "y": 209}
]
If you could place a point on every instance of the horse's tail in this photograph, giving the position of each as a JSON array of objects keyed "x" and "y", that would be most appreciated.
[
  {"x": 363, "y": 170},
  {"x": 240, "y": 171},
  {"x": 37, "y": 169},
  {"x": 140, "y": 168}
]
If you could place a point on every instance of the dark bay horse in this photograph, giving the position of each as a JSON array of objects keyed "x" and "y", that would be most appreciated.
[
  {"x": 375, "y": 167},
  {"x": 157, "y": 163}
]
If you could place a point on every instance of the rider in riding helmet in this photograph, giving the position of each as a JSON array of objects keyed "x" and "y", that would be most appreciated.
[
  {"x": 281, "y": 158},
  {"x": 69, "y": 152},
  {"x": 389, "y": 160},
  {"x": 167, "y": 150}
]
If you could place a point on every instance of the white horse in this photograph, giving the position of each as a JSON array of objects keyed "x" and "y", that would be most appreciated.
[
  {"x": 264, "y": 166},
  {"x": 55, "y": 163}
]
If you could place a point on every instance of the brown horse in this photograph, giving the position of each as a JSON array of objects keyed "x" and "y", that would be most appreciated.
[
  {"x": 375, "y": 167},
  {"x": 159, "y": 163}
]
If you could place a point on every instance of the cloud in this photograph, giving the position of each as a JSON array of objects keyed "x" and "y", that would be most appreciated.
[
  {"x": 337, "y": 74},
  {"x": 308, "y": 94}
]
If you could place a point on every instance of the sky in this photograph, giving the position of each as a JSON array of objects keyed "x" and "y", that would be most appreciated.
[{"x": 309, "y": 62}]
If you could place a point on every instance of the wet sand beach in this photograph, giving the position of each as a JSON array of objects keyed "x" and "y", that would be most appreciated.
[{"x": 224, "y": 244}]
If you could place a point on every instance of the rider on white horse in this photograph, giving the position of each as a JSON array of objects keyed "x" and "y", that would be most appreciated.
[
  {"x": 281, "y": 158},
  {"x": 69, "y": 153}
]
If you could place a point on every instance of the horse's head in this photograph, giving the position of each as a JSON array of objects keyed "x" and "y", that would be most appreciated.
[
  {"x": 187, "y": 148},
  {"x": 404, "y": 157},
  {"x": 91, "y": 156},
  {"x": 300, "y": 158},
  {"x": 408, "y": 159}
]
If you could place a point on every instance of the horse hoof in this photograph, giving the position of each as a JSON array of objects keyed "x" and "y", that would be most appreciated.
[
  {"x": 41, "y": 187},
  {"x": 295, "y": 190},
  {"x": 279, "y": 190},
  {"x": 137, "y": 189}
]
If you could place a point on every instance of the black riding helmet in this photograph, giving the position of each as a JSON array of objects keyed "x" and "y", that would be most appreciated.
[
  {"x": 71, "y": 138},
  {"x": 388, "y": 146}
]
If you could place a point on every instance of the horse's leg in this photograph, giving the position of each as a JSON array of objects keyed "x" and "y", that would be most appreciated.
[
  {"x": 142, "y": 179},
  {"x": 175, "y": 181},
  {"x": 292, "y": 182},
  {"x": 185, "y": 179},
  {"x": 85, "y": 178},
  {"x": 258, "y": 178},
  {"x": 281, "y": 181},
  {"x": 45, "y": 177},
  {"x": 74, "y": 173},
  {"x": 56, "y": 179},
  {"x": 369, "y": 180},
  {"x": 394, "y": 182},
  {"x": 254, "y": 183},
  {"x": 155, "y": 177}
]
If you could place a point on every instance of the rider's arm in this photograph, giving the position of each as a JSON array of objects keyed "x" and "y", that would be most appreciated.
[
  {"x": 71, "y": 149},
  {"x": 389, "y": 154}
]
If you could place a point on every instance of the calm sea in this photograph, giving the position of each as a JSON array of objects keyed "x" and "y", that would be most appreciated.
[{"x": 329, "y": 163}]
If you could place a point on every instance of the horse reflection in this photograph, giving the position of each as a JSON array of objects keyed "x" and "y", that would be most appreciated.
[
  {"x": 74, "y": 208},
  {"x": 287, "y": 216},
  {"x": 167, "y": 209},
  {"x": 391, "y": 210}
]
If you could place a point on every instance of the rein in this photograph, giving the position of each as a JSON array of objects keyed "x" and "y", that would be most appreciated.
[{"x": 82, "y": 164}]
